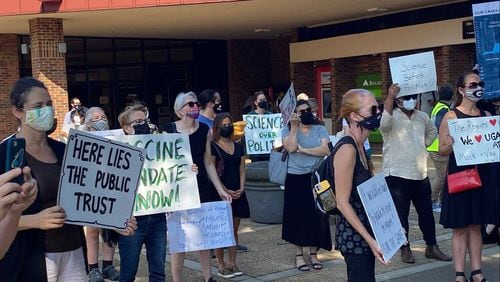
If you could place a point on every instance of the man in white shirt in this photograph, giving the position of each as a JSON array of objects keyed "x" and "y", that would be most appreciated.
[{"x": 407, "y": 132}]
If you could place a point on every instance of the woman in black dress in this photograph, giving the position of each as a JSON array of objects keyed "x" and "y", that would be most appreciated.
[
  {"x": 229, "y": 160},
  {"x": 464, "y": 212},
  {"x": 187, "y": 108}
]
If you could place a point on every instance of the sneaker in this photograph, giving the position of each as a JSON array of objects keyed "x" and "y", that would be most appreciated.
[
  {"x": 109, "y": 272},
  {"x": 225, "y": 273},
  {"x": 236, "y": 271},
  {"x": 406, "y": 254},
  {"x": 241, "y": 249},
  {"x": 436, "y": 207},
  {"x": 95, "y": 275}
]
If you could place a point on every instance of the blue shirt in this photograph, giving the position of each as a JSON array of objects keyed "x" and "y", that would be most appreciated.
[
  {"x": 205, "y": 120},
  {"x": 300, "y": 163}
]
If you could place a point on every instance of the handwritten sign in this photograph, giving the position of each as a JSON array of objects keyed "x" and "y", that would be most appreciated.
[
  {"x": 105, "y": 133},
  {"x": 287, "y": 105},
  {"x": 208, "y": 227},
  {"x": 382, "y": 215},
  {"x": 167, "y": 182},
  {"x": 414, "y": 73},
  {"x": 98, "y": 181},
  {"x": 262, "y": 133},
  {"x": 477, "y": 140}
]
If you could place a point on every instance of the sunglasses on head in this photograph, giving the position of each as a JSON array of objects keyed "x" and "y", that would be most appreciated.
[
  {"x": 414, "y": 97},
  {"x": 308, "y": 110},
  {"x": 473, "y": 85},
  {"x": 191, "y": 104}
]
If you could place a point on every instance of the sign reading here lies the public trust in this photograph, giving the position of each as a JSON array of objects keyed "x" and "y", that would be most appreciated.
[
  {"x": 167, "y": 182},
  {"x": 99, "y": 178}
]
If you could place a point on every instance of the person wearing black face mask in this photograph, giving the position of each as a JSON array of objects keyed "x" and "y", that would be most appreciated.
[
  {"x": 407, "y": 132},
  {"x": 307, "y": 144},
  {"x": 210, "y": 105},
  {"x": 229, "y": 159},
  {"x": 260, "y": 106}
]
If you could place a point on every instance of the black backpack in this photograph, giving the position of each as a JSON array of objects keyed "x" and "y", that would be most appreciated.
[{"x": 322, "y": 180}]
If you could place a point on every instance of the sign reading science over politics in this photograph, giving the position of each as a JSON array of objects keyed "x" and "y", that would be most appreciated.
[
  {"x": 99, "y": 179},
  {"x": 167, "y": 182},
  {"x": 415, "y": 73},
  {"x": 476, "y": 140},
  {"x": 262, "y": 133}
]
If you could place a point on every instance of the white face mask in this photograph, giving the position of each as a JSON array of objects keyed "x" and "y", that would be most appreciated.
[
  {"x": 40, "y": 119},
  {"x": 409, "y": 105}
]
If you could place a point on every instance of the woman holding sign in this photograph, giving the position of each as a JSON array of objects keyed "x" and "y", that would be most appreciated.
[
  {"x": 303, "y": 225},
  {"x": 465, "y": 211},
  {"x": 353, "y": 236},
  {"x": 187, "y": 108},
  {"x": 45, "y": 248}
]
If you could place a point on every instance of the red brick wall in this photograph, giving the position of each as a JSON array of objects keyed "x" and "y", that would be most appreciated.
[
  {"x": 9, "y": 73},
  {"x": 249, "y": 68},
  {"x": 48, "y": 65},
  {"x": 280, "y": 61}
]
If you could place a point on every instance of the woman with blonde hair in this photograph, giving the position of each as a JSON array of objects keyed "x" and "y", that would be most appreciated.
[{"x": 353, "y": 235}]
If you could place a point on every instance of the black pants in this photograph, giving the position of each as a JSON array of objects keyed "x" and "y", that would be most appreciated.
[
  {"x": 360, "y": 268},
  {"x": 419, "y": 192}
]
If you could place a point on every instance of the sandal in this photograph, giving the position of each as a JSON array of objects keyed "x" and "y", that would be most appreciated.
[
  {"x": 302, "y": 267},
  {"x": 460, "y": 274},
  {"x": 476, "y": 272},
  {"x": 315, "y": 264}
]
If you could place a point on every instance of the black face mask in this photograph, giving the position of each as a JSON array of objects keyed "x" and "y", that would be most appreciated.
[
  {"x": 371, "y": 123},
  {"x": 307, "y": 118},
  {"x": 262, "y": 105},
  {"x": 141, "y": 129},
  {"x": 217, "y": 108},
  {"x": 226, "y": 131}
]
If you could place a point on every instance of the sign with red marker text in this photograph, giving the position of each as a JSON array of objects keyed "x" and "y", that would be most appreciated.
[
  {"x": 167, "y": 181},
  {"x": 287, "y": 105},
  {"x": 415, "y": 73},
  {"x": 476, "y": 140},
  {"x": 99, "y": 179}
]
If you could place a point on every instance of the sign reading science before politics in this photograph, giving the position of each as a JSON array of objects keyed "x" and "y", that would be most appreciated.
[
  {"x": 415, "y": 73},
  {"x": 262, "y": 133},
  {"x": 167, "y": 182},
  {"x": 476, "y": 140},
  {"x": 98, "y": 181}
]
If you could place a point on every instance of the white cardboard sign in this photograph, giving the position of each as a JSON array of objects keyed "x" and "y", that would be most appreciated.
[
  {"x": 382, "y": 215},
  {"x": 287, "y": 105},
  {"x": 208, "y": 227},
  {"x": 476, "y": 140},
  {"x": 415, "y": 73},
  {"x": 167, "y": 182},
  {"x": 262, "y": 133},
  {"x": 99, "y": 179}
]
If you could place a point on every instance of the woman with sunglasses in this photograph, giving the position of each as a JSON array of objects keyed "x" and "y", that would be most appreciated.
[
  {"x": 353, "y": 235},
  {"x": 304, "y": 226},
  {"x": 187, "y": 108},
  {"x": 464, "y": 212}
]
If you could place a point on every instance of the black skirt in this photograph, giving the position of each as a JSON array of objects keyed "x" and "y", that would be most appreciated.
[{"x": 303, "y": 225}]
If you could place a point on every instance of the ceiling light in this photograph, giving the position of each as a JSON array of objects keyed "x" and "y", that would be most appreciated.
[
  {"x": 262, "y": 30},
  {"x": 376, "y": 9}
]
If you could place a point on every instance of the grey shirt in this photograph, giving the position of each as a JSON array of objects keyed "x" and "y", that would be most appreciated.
[{"x": 300, "y": 163}]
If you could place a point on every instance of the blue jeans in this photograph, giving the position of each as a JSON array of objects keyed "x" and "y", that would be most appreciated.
[{"x": 152, "y": 231}]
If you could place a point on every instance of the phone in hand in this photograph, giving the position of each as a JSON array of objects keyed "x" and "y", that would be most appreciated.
[{"x": 15, "y": 156}]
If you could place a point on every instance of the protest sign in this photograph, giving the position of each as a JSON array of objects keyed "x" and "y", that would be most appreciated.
[
  {"x": 262, "y": 133},
  {"x": 167, "y": 182},
  {"x": 382, "y": 214},
  {"x": 486, "y": 29},
  {"x": 476, "y": 140},
  {"x": 414, "y": 73},
  {"x": 98, "y": 181},
  {"x": 287, "y": 105},
  {"x": 208, "y": 227},
  {"x": 105, "y": 133}
]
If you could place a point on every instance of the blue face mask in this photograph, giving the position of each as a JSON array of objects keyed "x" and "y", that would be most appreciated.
[{"x": 40, "y": 119}]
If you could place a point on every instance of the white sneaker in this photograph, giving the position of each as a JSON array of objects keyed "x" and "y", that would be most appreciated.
[{"x": 226, "y": 273}]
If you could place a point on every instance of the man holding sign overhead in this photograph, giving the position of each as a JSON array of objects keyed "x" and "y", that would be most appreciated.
[{"x": 407, "y": 132}]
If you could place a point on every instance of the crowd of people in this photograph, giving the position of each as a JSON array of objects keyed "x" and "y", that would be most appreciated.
[{"x": 37, "y": 245}]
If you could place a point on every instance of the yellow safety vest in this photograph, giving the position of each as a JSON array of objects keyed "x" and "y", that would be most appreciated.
[{"x": 434, "y": 147}]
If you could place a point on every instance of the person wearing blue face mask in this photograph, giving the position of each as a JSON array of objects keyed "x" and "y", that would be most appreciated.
[{"x": 407, "y": 132}]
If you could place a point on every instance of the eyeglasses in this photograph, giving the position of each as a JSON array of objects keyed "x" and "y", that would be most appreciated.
[
  {"x": 139, "y": 121},
  {"x": 308, "y": 110},
  {"x": 474, "y": 85},
  {"x": 191, "y": 104},
  {"x": 414, "y": 97}
]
